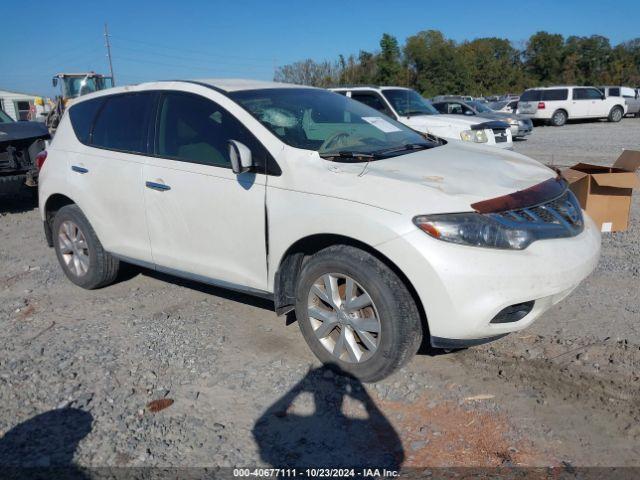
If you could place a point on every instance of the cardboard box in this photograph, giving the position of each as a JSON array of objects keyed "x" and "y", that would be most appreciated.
[{"x": 605, "y": 192}]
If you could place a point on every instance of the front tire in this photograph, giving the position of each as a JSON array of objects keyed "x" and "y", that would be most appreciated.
[
  {"x": 80, "y": 253},
  {"x": 356, "y": 313},
  {"x": 559, "y": 118},
  {"x": 616, "y": 114}
]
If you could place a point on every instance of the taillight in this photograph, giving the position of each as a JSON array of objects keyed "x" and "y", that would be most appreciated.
[
  {"x": 540, "y": 105},
  {"x": 40, "y": 158}
]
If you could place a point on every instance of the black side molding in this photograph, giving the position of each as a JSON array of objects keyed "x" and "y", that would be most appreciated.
[{"x": 453, "y": 343}]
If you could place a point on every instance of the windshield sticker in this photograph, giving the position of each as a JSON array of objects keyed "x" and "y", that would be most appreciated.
[{"x": 382, "y": 124}]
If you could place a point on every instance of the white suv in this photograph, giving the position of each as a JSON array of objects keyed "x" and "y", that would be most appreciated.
[
  {"x": 556, "y": 105},
  {"x": 373, "y": 235},
  {"x": 408, "y": 107}
]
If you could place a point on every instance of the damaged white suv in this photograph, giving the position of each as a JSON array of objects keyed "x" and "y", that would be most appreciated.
[{"x": 376, "y": 237}]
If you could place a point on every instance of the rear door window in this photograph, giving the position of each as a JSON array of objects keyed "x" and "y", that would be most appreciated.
[
  {"x": 82, "y": 116},
  {"x": 614, "y": 92},
  {"x": 123, "y": 123},
  {"x": 555, "y": 94}
]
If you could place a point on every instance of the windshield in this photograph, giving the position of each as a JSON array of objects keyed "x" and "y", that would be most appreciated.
[
  {"x": 326, "y": 122},
  {"x": 409, "y": 102},
  {"x": 77, "y": 86},
  {"x": 481, "y": 107},
  {"x": 4, "y": 118},
  {"x": 497, "y": 105}
]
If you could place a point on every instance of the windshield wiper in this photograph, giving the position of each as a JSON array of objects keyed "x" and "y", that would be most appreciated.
[
  {"x": 403, "y": 148},
  {"x": 346, "y": 154}
]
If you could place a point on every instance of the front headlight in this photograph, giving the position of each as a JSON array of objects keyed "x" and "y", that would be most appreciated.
[
  {"x": 477, "y": 136},
  {"x": 474, "y": 229}
]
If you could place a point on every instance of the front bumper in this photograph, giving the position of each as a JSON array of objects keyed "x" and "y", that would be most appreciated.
[{"x": 463, "y": 288}]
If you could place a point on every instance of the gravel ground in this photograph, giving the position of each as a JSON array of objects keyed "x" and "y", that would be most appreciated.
[{"x": 78, "y": 369}]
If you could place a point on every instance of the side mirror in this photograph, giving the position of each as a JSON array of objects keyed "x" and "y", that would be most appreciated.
[
  {"x": 468, "y": 112},
  {"x": 240, "y": 156},
  {"x": 54, "y": 82}
]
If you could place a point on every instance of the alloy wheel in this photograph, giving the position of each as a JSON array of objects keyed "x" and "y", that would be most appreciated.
[
  {"x": 344, "y": 318},
  {"x": 73, "y": 248}
]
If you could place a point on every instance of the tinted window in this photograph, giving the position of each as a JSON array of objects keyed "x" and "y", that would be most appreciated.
[
  {"x": 408, "y": 102},
  {"x": 370, "y": 99},
  {"x": 586, "y": 94},
  {"x": 195, "y": 129},
  {"x": 530, "y": 96},
  {"x": 614, "y": 92},
  {"x": 82, "y": 116},
  {"x": 554, "y": 94},
  {"x": 122, "y": 123}
]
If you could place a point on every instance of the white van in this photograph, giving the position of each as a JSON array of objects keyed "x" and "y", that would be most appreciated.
[
  {"x": 556, "y": 105},
  {"x": 375, "y": 236}
]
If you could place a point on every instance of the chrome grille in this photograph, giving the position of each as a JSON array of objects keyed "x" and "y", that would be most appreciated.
[{"x": 561, "y": 217}]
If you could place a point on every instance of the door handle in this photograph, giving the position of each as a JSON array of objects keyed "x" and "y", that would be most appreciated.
[
  {"x": 157, "y": 186},
  {"x": 79, "y": 169}
]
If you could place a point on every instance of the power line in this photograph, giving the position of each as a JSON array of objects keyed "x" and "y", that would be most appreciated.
[
  {"x": 182, "y": 57},
  {"x": 184, "y": 66},
  {"x": 194, "y": 52}
]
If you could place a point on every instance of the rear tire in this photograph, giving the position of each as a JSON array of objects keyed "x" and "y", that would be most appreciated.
[
  {"x": 80, "y": 253},
  {"x": 616, "y": 114},
  {"x": 339, "y": 325},
  {"x": 559, "y": 118}
]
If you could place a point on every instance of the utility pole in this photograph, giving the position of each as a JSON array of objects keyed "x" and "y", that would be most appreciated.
[{"x": 108, "y": 45}]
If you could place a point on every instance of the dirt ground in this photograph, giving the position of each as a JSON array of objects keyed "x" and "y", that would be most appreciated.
[{"x": 78, "y": 369}]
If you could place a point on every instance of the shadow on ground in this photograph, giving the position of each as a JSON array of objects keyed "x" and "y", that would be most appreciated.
[
  {"x": 44, "y": 446},
  {"x": 22, "y": 201},
  {"x": 129, "y": 271},
  {"x": 336, "y": 426}
]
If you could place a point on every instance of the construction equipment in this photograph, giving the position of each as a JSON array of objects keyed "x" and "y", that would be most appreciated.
[{"x": 73, "y": 85}]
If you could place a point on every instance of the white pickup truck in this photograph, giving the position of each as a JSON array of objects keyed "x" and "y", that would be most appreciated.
[{"x": 408, "y": 107}]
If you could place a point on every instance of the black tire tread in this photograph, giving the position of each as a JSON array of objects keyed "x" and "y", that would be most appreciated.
[
  {"x": 406, "y": 321},
  {"x": 104, "y": 269}
]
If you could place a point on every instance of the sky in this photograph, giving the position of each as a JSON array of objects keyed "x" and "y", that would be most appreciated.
[{"x": 155, "y": 40}]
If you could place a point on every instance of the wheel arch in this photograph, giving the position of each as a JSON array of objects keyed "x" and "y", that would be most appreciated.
[
  {"x": 286, "y": 276},
  {"x": 53, "y": 203}
]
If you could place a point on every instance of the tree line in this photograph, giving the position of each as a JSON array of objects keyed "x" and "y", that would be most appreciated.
[{"x": 435, "y": 65}]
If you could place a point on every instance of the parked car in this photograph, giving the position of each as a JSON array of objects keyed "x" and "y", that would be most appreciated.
[
  {"x": 20, "y": 144},
  {"x": 556, "y": 105},
  {"x": 373, "y": 235},
  {"x": 408, "y": 107},
  {"x": 505, "y": 106},
  {"x": 520, "y": 126},
  {"x": 440, "y": 98},
  {"x": 630, "y": 95}
]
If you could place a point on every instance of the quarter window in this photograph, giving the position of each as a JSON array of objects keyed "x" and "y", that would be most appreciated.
[
  {"x": 197, "y": 130},
  {"x": 555, "y": 94},
  {"x": 82, "y": 116},
  {"x": 123, "y": 122}
]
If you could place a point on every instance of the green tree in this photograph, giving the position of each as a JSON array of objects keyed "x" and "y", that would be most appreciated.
[
  {"x": 388, "y": 61},
  {"x": 435, "y": 64},
  {"x": 544, "y": 56}
]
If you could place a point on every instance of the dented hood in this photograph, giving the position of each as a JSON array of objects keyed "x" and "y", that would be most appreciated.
[{"x": 444, "y": 179}]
